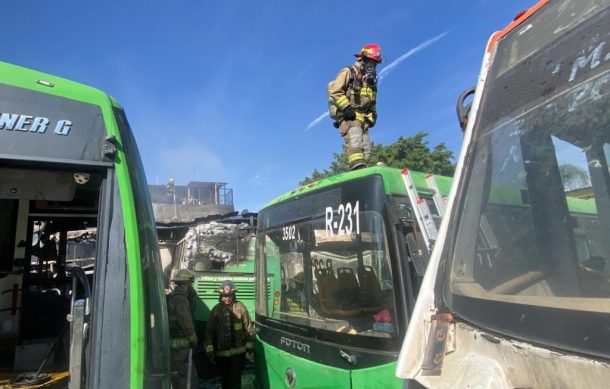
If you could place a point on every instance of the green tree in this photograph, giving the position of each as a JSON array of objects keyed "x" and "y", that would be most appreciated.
[
  {"x": 412, "y": 152},
  {"x": 574, "y": 177}
]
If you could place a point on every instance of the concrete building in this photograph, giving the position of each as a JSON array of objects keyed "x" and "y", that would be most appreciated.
[{"x": 185, "y": 203}]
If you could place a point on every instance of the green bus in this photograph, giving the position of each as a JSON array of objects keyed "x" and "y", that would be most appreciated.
[
  {"x": 344, "y": 258},
  {"x": 81, "y": 293},
  {"x": 217, "y": 250},
  {"x": 517, "y": 290}
]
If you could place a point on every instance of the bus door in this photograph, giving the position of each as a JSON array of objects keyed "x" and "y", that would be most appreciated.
[
  {"x": 48, "y": 257},
  {"x": 10, "y": 280}
]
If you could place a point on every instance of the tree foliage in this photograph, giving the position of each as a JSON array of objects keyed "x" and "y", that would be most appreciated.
[
  {"x": 412, "y": 152},
  {"x": 574, "y": 177}
]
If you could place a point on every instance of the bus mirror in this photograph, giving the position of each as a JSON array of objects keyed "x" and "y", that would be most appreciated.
[
  {"x": 464, "y": 110},
  {"x": 109, "y": 147}
]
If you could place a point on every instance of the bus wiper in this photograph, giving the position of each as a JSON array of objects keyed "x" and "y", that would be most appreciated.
[{"x": 350, "y": 358}]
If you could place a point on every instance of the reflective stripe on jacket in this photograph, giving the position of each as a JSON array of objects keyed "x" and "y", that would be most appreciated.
[
  {"x": 229, "y": 330},
  {"x": 180, "y": 318},
  {"x": 177, "y": 343},
  {"x": 349, "y": 88}
]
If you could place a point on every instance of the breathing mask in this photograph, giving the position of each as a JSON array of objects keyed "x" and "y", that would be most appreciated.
[{"x": 370, "y": 72}]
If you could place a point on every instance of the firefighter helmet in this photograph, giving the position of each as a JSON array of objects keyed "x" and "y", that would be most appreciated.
[
  {"x": 227, "y": 287},
  {"x": 372, "y": 51},
  {"x": 183, "y": 275}
]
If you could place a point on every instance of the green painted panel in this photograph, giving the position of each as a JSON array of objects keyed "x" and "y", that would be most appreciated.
[
  {"x": 383, "y": 376},
  {"x": 271, "y": 364},
  {"x": 392, "y": 181}
]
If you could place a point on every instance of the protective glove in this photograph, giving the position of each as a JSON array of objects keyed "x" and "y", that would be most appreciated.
[
  {"x": 372, "y": 122},
  {"x": 211, "y": 356},
  {"x": 193, "y": 341},
  {"x": 250, "y": 355},
  {"x": 349, "y": 113}
]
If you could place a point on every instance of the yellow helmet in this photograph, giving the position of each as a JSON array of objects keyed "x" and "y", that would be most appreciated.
[{"x": 183, "y": 275}]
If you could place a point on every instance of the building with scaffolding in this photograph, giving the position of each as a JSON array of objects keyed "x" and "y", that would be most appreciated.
[{"x": 185, "y": 203}]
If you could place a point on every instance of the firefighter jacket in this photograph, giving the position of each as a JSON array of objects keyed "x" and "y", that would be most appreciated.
[
  {"x": 229, "y": 330},
  {"x": 182, "y": 330},
  {"x": 350, "y": 88}
]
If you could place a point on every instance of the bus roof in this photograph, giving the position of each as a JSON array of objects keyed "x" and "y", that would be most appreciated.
[
  {"x": 520, "y": 18},
  {"x": 392, "y": 181},
  {"x": 27, "y": 78},
  {"x": 393, "y": 184},
  {"x": 44, "y": 118}
]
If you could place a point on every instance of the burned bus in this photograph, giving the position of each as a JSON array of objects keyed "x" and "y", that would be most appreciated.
[{"x": 517, "y": 291}]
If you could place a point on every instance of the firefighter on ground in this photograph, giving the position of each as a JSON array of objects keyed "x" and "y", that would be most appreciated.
[
  {"x": 228, "y": 336},
  {"x": 180, "y": 305},
  {"x": 352, "y": 103}
]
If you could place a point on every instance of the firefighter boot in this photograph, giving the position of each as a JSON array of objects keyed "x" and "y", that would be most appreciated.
[{"x": 358, "y": 165}]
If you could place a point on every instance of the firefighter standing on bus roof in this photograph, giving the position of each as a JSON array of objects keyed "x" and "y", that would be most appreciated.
[
  {"x": 182, "y": 330},
  {"x": 228, "y": 336},
  {"x": 352, "y": 103}
]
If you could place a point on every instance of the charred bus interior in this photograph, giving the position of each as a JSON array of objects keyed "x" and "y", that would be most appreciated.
[
  {"x": 48, "y": 245},
  {"x": 538, "y": 185}
]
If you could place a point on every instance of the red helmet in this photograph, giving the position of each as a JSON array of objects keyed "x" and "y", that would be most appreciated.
[{"x": 372, "y": 51}]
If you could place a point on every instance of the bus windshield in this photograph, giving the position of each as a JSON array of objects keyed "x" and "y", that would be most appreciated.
[
  {"x": 330, "y": 251},
  {"x": 537, "y": 184},
  {"x": 218, "y": 246}
]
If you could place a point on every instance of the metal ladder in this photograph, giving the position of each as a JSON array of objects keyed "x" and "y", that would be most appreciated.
[
  {"x": 438, "y": 199},
  {"x": 421, "y": 210}
]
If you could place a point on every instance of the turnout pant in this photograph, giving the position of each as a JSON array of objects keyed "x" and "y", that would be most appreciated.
[
  {"x": 180, "y": 365},
  {"x": 230, "y": 369},
  {"x": 357, "y": 142}
]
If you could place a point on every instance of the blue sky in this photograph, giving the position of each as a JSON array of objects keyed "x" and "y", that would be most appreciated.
[{"x": 225, "y": 90}]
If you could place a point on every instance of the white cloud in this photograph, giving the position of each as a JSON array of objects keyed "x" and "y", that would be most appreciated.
[
  {"x": 383, "y": 73},
  {"x": 316, "y": 121}
]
